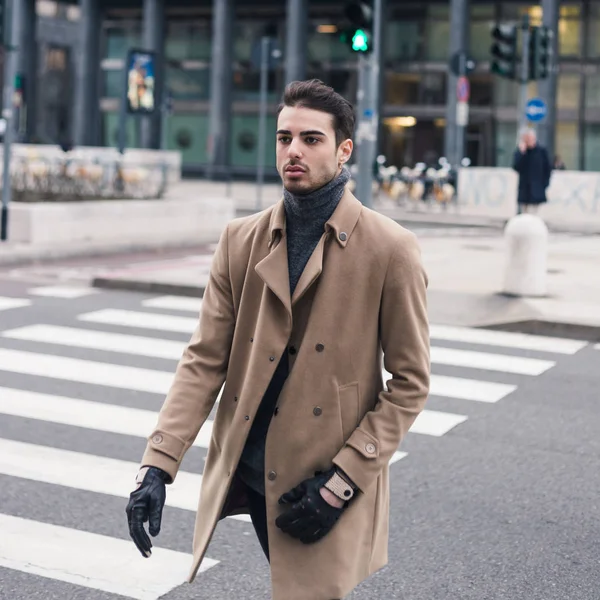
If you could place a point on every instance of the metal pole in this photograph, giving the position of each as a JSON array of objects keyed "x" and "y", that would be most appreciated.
[
  {"x": 123, "y": 111},
  {"x": 547, "y": 87},
  {"x": 265, "y": 47},
  {"x": 524, "y": 82},
  {"x": 460, "y": 130},
  {"x": 296, "y": 34},
  {"x": 10, "y": 69},
  {"x": 368, "y": 119},
  {"x": 459, "y": 44}
]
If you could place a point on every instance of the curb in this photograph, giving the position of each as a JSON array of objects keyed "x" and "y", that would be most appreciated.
[{"x": 133, "y": 285}]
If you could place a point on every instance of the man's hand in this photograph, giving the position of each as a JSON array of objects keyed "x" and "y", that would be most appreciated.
[
  {"x": 522, "y": 147},
  {"x": 331, "y": 498},
  {"x": 310, "y": 516},
  {"x": 146, "y": 503}
]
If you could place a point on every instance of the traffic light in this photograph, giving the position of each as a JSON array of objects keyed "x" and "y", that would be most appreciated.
[
  {"x": 359, "y": 35},
  {"x": 540, "y": 52},
  {"x": 504, "y": 51}
]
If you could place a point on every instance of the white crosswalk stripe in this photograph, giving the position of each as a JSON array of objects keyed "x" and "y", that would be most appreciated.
[
  {"x": 509, "y": 339},
  {"x": 144, "y": 320},
  {"x": 85, "y": 371},
  {"x": 178, "y": 303},
  {"x": 91, "y": 560},
  {"x": 64, "y": 292},
  {"x": 10, "y": 303},
  {"x": 80, "y": 557}
]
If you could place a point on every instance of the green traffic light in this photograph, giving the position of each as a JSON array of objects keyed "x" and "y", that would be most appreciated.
[{"x": 360, "y": 41}]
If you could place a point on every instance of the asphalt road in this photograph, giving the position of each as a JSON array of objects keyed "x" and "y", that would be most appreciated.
[{"x": 497, "y": 498}]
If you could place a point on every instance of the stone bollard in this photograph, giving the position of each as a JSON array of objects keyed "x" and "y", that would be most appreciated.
[{"x": 526, "y": 238}]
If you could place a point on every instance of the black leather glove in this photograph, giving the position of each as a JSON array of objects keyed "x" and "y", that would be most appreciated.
[
  {"x": 309, "y": 517},
  {"x": 146, "y": 503}
]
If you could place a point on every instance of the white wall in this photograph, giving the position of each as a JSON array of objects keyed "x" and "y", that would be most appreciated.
[{"x": 573, "y": 196}]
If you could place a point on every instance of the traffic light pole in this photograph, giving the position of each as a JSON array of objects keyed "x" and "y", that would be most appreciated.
[
  {"x": 10, "y": 70},
  {"x": 524, "y": 75},
  {"x": 368, "y": 109}
]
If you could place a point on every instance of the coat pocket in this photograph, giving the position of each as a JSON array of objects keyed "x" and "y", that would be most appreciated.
[{"x": 349, "y": 399}]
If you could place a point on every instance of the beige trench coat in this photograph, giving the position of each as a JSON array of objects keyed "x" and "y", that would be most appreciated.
[{"x": 362, "y": 293}]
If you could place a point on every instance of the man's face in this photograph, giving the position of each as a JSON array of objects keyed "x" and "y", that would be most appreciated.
[
  {"x": 307, "y": 155},
  {"x": 530, "y": 139}
]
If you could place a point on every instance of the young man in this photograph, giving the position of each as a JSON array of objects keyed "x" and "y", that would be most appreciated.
[
  {"x": 302, "y": 301},
  {"x": 532, "y": 164}
]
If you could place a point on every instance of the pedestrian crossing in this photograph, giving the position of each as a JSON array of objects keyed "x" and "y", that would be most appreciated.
[{"x": 106, "y": 340}]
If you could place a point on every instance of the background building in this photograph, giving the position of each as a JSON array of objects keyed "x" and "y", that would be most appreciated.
[{"x": 73, "y": 75}]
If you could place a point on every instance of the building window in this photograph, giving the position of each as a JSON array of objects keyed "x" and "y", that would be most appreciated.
[
  {"x": 402, "y": 88},
  {"x": 592, "y": 147},
  {"x": 480, "y": 27},
  {"x": 188, "y": 40},
  {"x": 402, "y": 40},
  {"x": 566, "y": 143},
  {"x": 437, "y": 33},
  {"x": 121, "y": 38},
  {"x": 592, "y": 91},
  {"x": 594, "y": 31},
  {"x": 569, "y": 31},
  {"x": 568, "y": 90}
]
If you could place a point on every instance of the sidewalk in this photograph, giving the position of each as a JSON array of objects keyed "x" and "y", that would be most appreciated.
[{"x": 465, "y": 284}]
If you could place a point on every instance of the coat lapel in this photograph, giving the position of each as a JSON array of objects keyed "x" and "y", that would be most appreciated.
[
  {"x": 313, "y": 269},
  {"x": 273, "y": 269}
]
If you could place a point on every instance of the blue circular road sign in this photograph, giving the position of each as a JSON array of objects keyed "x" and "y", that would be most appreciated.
[{"x": 536, "y": 109}]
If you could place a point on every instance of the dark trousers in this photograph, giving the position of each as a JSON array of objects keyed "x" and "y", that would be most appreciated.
[{"x": 258, "y": 514}]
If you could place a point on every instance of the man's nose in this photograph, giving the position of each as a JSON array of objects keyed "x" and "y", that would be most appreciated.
[{"x": 294, "y": 149}]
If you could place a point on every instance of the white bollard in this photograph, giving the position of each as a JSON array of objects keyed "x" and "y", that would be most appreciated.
[{"x": 526, "y": 238}]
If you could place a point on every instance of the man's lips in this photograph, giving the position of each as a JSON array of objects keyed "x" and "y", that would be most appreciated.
[{"x": 294, "y": 170}]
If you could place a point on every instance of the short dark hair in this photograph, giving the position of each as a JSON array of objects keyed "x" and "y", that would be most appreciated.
[{"x": 318, "y": 96}]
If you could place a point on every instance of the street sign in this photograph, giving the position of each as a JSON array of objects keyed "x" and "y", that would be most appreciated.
[
  {"x": 463, "y": 89},
  {"x": 536, "y": 109},
  {"x": 462, "y": 114}
]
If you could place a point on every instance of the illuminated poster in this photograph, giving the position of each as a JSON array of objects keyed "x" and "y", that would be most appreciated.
[{"x": 141, "y": 82}]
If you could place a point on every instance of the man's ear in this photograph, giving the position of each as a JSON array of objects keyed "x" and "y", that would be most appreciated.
[{"x": 345, "y": 151}]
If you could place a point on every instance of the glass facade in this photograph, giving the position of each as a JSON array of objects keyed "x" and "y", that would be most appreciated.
[{"x": 415, "y": 52}]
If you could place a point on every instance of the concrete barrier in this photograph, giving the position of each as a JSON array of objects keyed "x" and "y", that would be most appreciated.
[
  {"x": 573, "y": 197},
  {"x": 145, "y": 222}
]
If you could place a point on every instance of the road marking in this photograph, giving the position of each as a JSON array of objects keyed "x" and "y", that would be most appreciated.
[
  {"x": 174, "y": 303},
  {"x": 522, "y": 341},
  {"x": 89, "y": 415},
  {"x": 62, "y": 292},
  {"x": 98, "y": 340},
  {"x": 10, "y": 303},
  {"x": 91, "y": 560},
  {"x": 85, "y": 371},
  {"x": 130, "y": 318},
  {"x": 465, "y": 389},
  {"x": 398, "y": 456},
  {"x": 490, "y": 362},
  {"x": 435, "y": 423}
]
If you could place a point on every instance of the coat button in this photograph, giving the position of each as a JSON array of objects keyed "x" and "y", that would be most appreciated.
[
  {"x": 235, "y": 398},
  {"x": 343, "y": 236},
  {"x": 247, "y": 418},
  {"x": 276, "y": 411},
  {"x": 370, "y": 448},
  {"x": 272, "y": 476},
  {"x": 251, "y": 340},
  {"x": 317, "y": 411},
  {"x": 319, "y": 347},
  {"x": 157, "y": 439},
  {"x": 271, "y": 358},
  {"x": 292, "y": 350}
]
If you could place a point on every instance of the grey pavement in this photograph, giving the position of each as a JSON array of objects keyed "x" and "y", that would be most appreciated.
[{"x": 501, "y": 506}]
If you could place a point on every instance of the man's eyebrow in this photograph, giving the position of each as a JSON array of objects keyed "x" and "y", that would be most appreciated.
[{"x": 309, "y": 132}]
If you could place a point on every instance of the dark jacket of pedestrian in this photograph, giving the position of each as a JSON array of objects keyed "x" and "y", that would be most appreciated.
[{"x": 534, "y": 169}]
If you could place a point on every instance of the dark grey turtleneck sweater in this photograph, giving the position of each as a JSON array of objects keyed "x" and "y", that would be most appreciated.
[{"x": 305, "y": 224}]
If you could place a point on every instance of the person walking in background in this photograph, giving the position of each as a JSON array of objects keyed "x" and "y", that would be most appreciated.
[
  {"x": 302, "y": 302},
  {"x": 532, "y": 164},
  {"x": 559, "y": 163}
]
